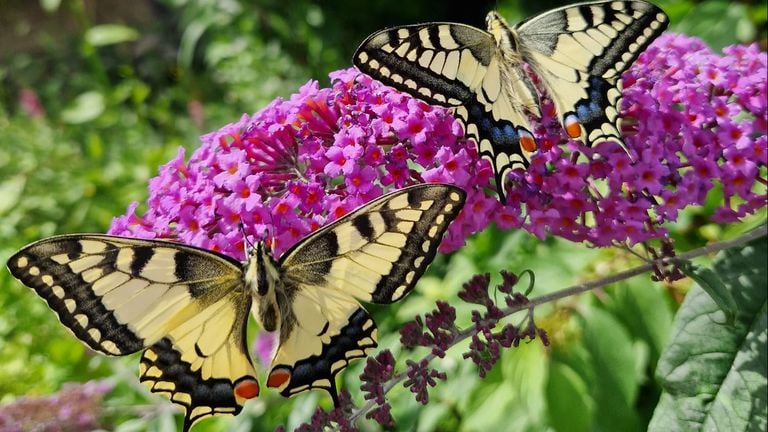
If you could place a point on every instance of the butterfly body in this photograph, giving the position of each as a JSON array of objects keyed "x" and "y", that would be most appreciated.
[
  {"x": 578, "y": 53},
  {"x": 187, "y": 308},
  {"x": 263, "y": 279}
]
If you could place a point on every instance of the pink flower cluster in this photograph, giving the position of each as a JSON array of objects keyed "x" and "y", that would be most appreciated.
[
  {"x": 694, "y": 121},
  {"x": 76, "y": 407},
  {"x": 301, "y": 163}
]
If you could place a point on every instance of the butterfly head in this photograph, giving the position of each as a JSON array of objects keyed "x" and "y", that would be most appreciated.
[
  {"x": 501, "y": 31},
  {"x": 261, "y": 277}
]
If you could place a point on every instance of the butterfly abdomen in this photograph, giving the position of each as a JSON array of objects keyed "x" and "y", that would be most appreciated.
[{"x": 262, "y": 278}]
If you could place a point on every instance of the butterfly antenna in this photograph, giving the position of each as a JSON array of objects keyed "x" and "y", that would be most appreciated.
[{"x": 246, "y": 243}]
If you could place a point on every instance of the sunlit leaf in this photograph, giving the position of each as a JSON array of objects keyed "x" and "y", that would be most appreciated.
[
  {"x": 719, "y": 23},
  {"x": 50, "y": 5},
  {"x": 569, "y": 404},
  {"x": 645, "y": 310},
  {"x": 110, "y": 34},
  {"x": 614, "y": 382},
  {"x": 10, "y": 191},
  {"x": 84, "y": 108},
  {"x": 714, "y": 372}
]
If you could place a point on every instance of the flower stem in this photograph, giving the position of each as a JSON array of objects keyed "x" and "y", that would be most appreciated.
[{"x": 756, "y": 233}]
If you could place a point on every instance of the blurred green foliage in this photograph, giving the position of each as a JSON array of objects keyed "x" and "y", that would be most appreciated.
[{"x": 90, "y": 107}]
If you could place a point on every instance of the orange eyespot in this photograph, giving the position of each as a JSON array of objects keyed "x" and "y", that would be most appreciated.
[
  {"x": 278, "y": 377},
  {"x": 572, "y": 126},
  {"x": 527, "y": 142},
  {"x": 247, "y": 389}
]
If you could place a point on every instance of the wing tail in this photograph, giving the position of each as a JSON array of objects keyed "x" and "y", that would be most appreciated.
[{"x": 204, "y": 365}]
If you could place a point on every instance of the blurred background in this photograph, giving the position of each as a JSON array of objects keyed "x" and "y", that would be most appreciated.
[{"x": 95, "y": 95}]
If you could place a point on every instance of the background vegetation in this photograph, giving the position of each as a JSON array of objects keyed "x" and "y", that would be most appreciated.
[{"x": 94, "y": 95}]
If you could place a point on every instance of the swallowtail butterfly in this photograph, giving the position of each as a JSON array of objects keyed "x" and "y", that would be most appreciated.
[
  {"x": 187, "y": 308},
  {"x": 579, "y": 52}
]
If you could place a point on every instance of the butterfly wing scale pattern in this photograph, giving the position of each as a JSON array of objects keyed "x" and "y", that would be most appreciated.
[
  {"x": 374, "y": 254},
  {"x": 186, "y": 306},
  {"x": 579, "y": 52}
]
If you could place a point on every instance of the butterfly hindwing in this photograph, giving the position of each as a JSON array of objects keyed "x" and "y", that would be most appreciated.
[
  {"x": 326, "y": 331},
  {"x": 578, "y": 51},
  {"x": 186, "y": 306},
  {"x": 202, "y": 364},
  {"x": 375, "y": 254}
]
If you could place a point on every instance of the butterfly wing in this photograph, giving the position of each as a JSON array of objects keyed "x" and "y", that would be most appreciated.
[
  {"x": 440, "y": 63},
  {"x": 186, "y": 306},
  {"x": 375, "y": 254},
  {"x": 203, "y": 364},
  {"x": 456, "y": 65},
  {"x": 580, "y": 52}
]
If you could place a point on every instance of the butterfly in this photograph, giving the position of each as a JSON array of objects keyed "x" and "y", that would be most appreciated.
[
  {"x": 187, "y": 308},
  {"x": 579, "y": 53}
]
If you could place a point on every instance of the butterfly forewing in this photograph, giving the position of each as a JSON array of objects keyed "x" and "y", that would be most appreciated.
[
  {"x": 442, "y": 63},
  {"x": 375, "y": 254},
  {"x": 186, "y": 306},
  {"x": 456, "y": 65}
]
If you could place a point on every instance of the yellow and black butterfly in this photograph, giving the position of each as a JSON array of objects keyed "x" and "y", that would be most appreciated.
[
  {"x": 187, "y": 308},
  {"x": 579, "y": 52}
]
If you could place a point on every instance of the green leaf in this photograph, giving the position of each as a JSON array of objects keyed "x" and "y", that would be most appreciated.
[
  {"x": 570, "y": 406},
  {"x": 84, "y": 108},
  {"x": 714, "y": 373},
  {"x": 645, "y": 309},
  {"x": 50, "y": 6},
  {"x": 710, "y": 282},
  {"x": 719, "y": 23},
  {"x": 511, "y": 397},
  {"x": 614, "y": 385},
  {"x": 110, "y": 34},
  {"x": 10, "y": 192}
]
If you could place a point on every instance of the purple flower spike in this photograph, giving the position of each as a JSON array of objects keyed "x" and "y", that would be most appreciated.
[
  {"x": 440, "y": 323},
  {"x": 420, "y": 378},
  {"x": 476, "y": 290},
  {"x": 75, "y": 407},
  {"x": 338, "y": 417},
  {"x": 693, "y": 120},
  {"x": 300, "y": 163},
  {"x": 377, "y": 372}
]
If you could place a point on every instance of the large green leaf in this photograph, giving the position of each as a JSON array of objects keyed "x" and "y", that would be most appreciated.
[
  {"x": 568, "y": 401},
  {"x": 713, "y": 371},
  {"x": 614, "y": 382}
]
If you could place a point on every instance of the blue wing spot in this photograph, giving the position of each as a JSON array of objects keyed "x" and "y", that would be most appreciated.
[
  {"x": 505, "y": 137},
  {"x": 591, "y": 111}
]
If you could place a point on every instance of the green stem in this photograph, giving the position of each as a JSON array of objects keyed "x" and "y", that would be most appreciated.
[{"x": 756, "y": 233}]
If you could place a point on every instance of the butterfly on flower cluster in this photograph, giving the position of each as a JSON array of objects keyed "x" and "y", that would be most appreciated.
[
  {"x": 578, "y": 52},
  {"x": 187, "y": 308}
]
